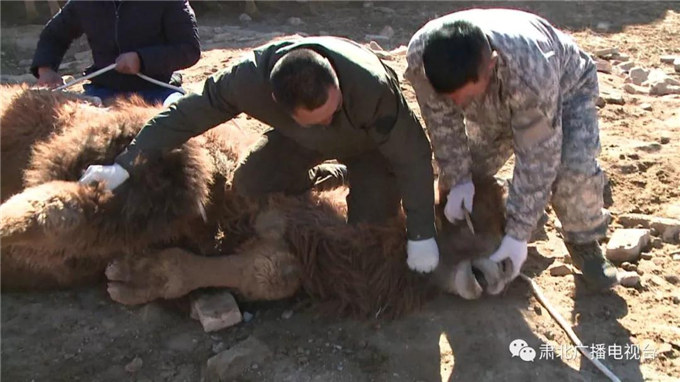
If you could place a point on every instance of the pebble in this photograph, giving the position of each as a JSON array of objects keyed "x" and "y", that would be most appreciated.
[
  {"x": 245, "y": 18},
  {"x": 615, "y": 99},
  {"x": 676, "y": 300},
  {"x": 626, "y": 266},
  {"x": 606, "y": 52},
  {"x": 560, "y": 270},
  {"x": 287, "y": 314},
  {"x": 247, "y": 316},
  {"x": 134, "y": 365},
  {"x": 629, "y": 279},
  {"x": 673, "y": 279},
  {"x": 657, "y": 242},
  {"x": 646, "y": 107}
]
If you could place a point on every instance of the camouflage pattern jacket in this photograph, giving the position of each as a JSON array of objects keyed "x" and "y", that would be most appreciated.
[{"x": 538, "y": 68}]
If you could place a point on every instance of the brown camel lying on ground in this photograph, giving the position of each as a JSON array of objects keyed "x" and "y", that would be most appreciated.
[{"x": 176, "y": 225}]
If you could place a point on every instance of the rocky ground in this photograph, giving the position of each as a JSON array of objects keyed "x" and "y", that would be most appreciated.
[{"x": 80, "y": 335}]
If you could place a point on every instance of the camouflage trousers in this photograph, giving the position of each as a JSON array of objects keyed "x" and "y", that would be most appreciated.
[{"x": 577, "y": 193}]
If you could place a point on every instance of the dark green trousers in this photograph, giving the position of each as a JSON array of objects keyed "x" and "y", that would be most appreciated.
[{"x": 278, "y": 164}]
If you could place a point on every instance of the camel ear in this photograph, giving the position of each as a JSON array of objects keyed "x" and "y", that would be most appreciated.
[{"x": 46, "y": 213}]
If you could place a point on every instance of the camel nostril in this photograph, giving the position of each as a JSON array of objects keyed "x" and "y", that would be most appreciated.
[{"x": 479, "y": 276}]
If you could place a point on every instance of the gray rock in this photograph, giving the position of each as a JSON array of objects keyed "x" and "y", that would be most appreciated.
[
  {"x": 668, "y": 229},
  {"x": 646, "y": 107},
  {"x": 231, "y": 363},
  {"x": 245, "y": 18},
  {"x": 638, "y": 75},
  {"x": 634, "y": 89},
  {"x": 629, "y": 279},
  {"x": 626, "y": 244},
  {"x": 216, "y": 311},
  {"x": 622, "y": 57},
  {"x": 626, "y": 66},
  {"x": 615, "y": 99},
  {"x": 606, "y": 52},
  {"x": 662, "y": 89}
]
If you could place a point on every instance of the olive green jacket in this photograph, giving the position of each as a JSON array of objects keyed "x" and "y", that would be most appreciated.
[{"x": 374, "y": 115}]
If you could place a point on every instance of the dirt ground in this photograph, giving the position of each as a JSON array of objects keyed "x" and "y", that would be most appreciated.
[{"x": 80, "y": 335}]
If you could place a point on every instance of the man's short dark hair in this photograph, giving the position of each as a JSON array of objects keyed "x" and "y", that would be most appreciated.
[
  {"x": 301, "y": 78},
  {"x": 453, "y": 55}
]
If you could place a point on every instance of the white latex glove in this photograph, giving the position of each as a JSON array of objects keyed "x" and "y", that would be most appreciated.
[
  {"x": 459, "y": 197},
  {"x": 112, "y": 176},
  {"x": 512, "y": 249},
  {"x": 423, "y": 255}
]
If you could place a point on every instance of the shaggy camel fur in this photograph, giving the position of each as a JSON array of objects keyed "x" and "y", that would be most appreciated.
[{"x": 176, "y": 225}]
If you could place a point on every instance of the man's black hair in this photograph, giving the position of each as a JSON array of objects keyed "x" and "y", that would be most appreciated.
[
  {"x": 453, "y": 55},
  {"x": 301, "y": 78}
]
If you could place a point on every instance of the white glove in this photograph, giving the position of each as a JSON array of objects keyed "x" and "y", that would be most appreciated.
[
  {"x": 423, "y": 255},
  {"x": 112, "y": 176},
  {"x": 460, "y": 197},
  {"x": 512, "y": 249}
]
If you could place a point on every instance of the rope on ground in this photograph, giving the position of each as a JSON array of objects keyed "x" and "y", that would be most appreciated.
[{"x": 567, "y": 328}]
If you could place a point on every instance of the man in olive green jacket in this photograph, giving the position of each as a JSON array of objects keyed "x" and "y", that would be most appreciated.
[{"x": 325, "y": 98}]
